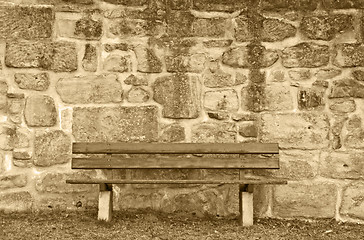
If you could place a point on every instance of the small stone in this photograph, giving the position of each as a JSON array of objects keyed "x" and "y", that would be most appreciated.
[
  {"x": 218, "y": 79},
  {"x": 186, "y": 62},
  {"x": 88, "y": 28},
  {"x": 310, "y": 98},
  {"x": 277, "y": 30},
  {"x": 350, "y": 55},
  {"x": 15, "y": 107},
  {"x": 179, "y": 96},
  {"x": 89, "y": 61},
  {"x": 343, "y": 106},
  {"x": 277, "y": 76},
  {"x": 219, "y": 115},
  {"x": 300, "y": 75},
  {"x": 224, "y": 100},
  {"x": 30, "y": 81},
  {"x": 358, "y": 75},
  {"x": 327, "y": 73},
  {"x": 353, "y": 202},
  {"x": 244, "y": 117},
  {"x": 116, "y": 46},
  {"x": 173, "y": 133},
  {"x": 248, "y": 129},
  {"x": 347, "y": 88},
  {"x": 180, "y": 4},
  {"x": 240, "y": 57},
  {"x": 136, "y": 81},
  {"x": 16, "y": 201},
  {"x": 305, "y": 54},
  {"x": 40, "y": 111},
  {"x": 117, "y": 63},
  {"x": 51, "y": 148},
  {"x": 217, "y": 43},
  {"x": 136, "y": 27},
  {"x": 90, "y": 89},
  {"x": 22, "y": 138},
  {"x": 115, "y": 124},
  {"x": 214, "y": 133},
  {"x": 13, "y": 181},
  {"x": 56, "y": 56},
  {"x": 137, "y": 95},
  {"x": 355, "y": 133},
  {"x": 22, "y": 153},
  {"x": 148, "y": 62},
  {"x": 305, "y": 200}
]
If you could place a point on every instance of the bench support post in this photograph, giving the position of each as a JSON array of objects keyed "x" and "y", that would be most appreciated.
[
  {"x": 105, "y": 202},
  {"x": 246, "y": 205}
]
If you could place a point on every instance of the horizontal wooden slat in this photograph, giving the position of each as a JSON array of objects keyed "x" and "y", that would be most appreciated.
[
  {"x": 176, "y": 148},
  {"x": 117, "y": 162},
  {"x": 116, "y": 181}
]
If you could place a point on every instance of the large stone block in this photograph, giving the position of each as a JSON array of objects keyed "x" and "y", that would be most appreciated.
[
  {"x": 179, "y": 95},
  {"x": 52, "y": 147},
  {"x": 40, "y": 111},
  {"x": 214, "y": 132},
  {"x": 302, "y": 131},
  {"x": 315, "y": 200},
  {"x": 353, "y": 201},
  {"x": 90, "y": 89},
  {"x": 115, "y": 124},
  {"x": 251, "y": 56},
  {"x": 347, "y": 87},
  {"x": 16, "y": 201},
  {"x": 325, "y": 27},
  {"x": 13, "y": 181},
  {"x": 223, "y": 100},
  {"x": 342, "y": 165},
  {"x": 26, "y": 22},
  {"x": 56, "y": 183},
  {"x": 350, "y": 55},
  {"x": 32, "y": 81},
  {"x": 309, "y": 55},
  {"x": 56, "y": 56}
]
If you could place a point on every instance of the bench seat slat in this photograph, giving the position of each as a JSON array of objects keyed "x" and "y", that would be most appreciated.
[
  {"x": 117, "y": 181},
  {"x": 176, "y": 148},
  {"x": 115, "y": 162}
]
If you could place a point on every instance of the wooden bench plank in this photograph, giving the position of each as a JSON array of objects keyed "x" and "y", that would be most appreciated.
[
  {"x": 176, "y": 148},
  {"x": 118, "y": 162},
  {"x": 120, "y": 181}
]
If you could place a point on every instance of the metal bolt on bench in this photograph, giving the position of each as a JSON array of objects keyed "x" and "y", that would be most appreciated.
[{"x": 242, "y": 156}]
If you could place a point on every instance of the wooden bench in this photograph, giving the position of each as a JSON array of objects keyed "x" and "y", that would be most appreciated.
[{"x": 241, "y": 156}]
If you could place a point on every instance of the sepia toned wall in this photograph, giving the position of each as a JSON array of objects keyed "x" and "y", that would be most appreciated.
[{"x": 184, "y": 71}]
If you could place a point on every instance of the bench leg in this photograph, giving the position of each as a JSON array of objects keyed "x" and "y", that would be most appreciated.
[
  {"x": 246, "y": 205},
  {"x": 105, "y": 202}
]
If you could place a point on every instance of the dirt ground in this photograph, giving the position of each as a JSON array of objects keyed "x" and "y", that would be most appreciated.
[{"x": 160, "y": 226}]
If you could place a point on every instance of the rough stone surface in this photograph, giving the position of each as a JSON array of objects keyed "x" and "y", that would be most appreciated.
[
  {"x": 305, "y": 54},
  {"x": 173, "y": 133},
  {"x": 219, "y": 5},
  {"x": 347, "y": 87},
  {"x": 7, "y": 136},
  {"x": 278, "y": 97},
  {"x": 137, "y": 95},
  {"x": 128, "y": 2},
  {"x": 16, "y": 201},
  {"x": 300, "y": 75},
  {"x": 209, "y": 27},
  {"x": 180, "y": 24},
  {"x": 310, "y": 98},
  {"x": 307, "y": 5},
  {"x": 272, "y": 30},
  {"x": 51, "y": 147},
  {"x": 186, "y": 62},
  {"x": 325, "y": 27},
  {"x": 253, "y": 97},
  {"x": 305, "y": 200},
  {"x": 26, "y": 22},
  {"x": 343, "y": 4},
  {"x": 117, "y": 63},
  {"x": 358, "y": 75},
  {"x": 89, "y": 61},
  {"x": 56, "y": 56},
  {"x": 22, "y": 154},
  {"x": 32, "y": 81},
  {"x": 136, "y": 81},
  {"x": 327, "y": 73},
  {"x": 342, "y": 165},
  {"x": 13, "y": 181},
  {"x": 215, "y": 77},
  {"x": 355, "y": 132},
  {"x": 179, "y": 96},
  {"x": 22, "y": 138},
  {"x": 88, "y": 28},
  {"x": 3, "y": 92},
  {"x": 40, "y": 111},
  {"x": 115, "y": 124},
  {"x": 214, "y": 133},
  {"x": 224, "y": 100},
  {"x": 135, "y": 27},
  {"x": 353, "y": 201},
  {"x": 90, "y": 89},
  {"x": 148, "y": 62},
  {"x": 219, "y": 115},
  {"x": 303, "y": 130},
  {"x": 56, "y": 183},
  {"x": 15, "y": 107},
  {"x": 248, "y": 129},
  {"x": 240, "y": 57},
  {"x": 343, "y": 106},
  {"x": 217, "y": 43},
  {"x": 350, "y": 55}
]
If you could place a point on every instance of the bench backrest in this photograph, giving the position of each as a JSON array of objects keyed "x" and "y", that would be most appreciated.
[{"x": 168, "y": 155}]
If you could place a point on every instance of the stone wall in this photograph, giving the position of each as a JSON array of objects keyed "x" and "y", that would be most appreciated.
[{"x": 184, "y": 71}]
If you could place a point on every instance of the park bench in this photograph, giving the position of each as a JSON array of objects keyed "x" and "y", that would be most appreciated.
[{"x": 242, "y": 156}]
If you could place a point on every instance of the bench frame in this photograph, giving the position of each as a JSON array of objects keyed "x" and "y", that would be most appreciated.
[{"x": 255, "y": 156}]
